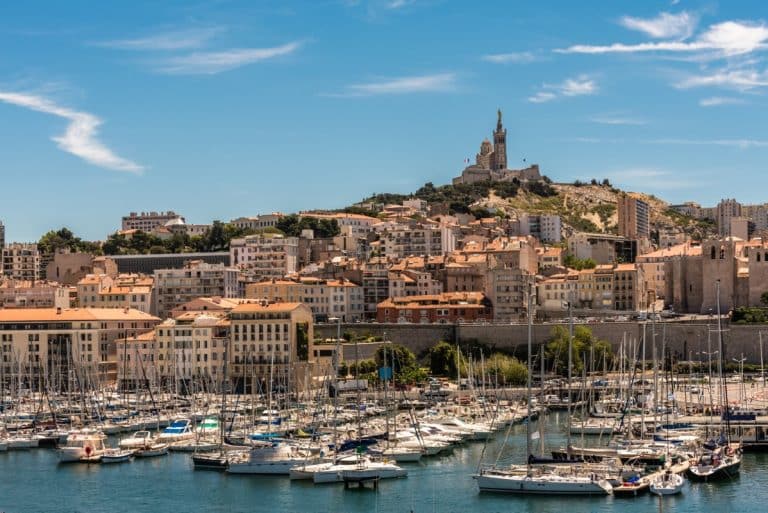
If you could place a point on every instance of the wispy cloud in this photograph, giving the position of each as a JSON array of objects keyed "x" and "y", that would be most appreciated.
[
  {"x": 174, "y": 40},
  {"x": 743, "y": 144},
  {"x": 510, "y": 58},
  {"x": 578, "y": 86},
  {"x": 80, "y": 137},
  {"x": 617, "y": 119},
  {"x": 741, "y": 79},
  {"x": 648, "y": 178},
  {"x": 542, "y": 97},
  {"x": 440, "y": 82},
  {"x": 210, "y": 63},
  {"x": 663, "y": 26},
  {"x": 715, "y": 101},
  {"x": 724, "y": 39}
]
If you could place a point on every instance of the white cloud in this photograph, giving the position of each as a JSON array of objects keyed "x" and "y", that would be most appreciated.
[
  {"x": 510, "y": 58},
  {"x": 176, "y": 40},
  {"x": 617, "y": 119},
  {"x": 578, "y": 86},
  {"x": 80, "y": 136},
  {"x": 440, "y": 82},
  {"x": 715, "y": 101},
  {"x": 210, "y": 63},
  {"x": 741, "y": 79},
  {"x": 663, "y": 26},
  {"x": 542, "y": 97},
  {"x": 724, "y": 39}
]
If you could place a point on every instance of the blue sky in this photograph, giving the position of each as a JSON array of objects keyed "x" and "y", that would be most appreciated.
[{"x": 217, "y": 109}]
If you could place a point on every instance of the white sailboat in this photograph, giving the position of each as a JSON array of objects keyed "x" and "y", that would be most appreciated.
[
  {"x": 545, "y": 480},
  {"x": 667, "y": 483}
]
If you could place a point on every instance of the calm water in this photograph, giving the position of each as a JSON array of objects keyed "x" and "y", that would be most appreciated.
[{"x": 33, "y": 481}]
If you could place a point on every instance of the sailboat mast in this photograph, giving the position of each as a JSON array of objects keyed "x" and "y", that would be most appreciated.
[
  {"x": 570, "y": 365},
  {"x": 530, "y": 352}
]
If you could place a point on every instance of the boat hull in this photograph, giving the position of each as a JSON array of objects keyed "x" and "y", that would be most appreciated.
[{"x": 523, "y": 484}]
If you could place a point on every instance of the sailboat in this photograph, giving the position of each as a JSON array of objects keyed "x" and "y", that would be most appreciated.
[
  {"x": 544, "y": 480},
  {"x": 720, "y": 458}
]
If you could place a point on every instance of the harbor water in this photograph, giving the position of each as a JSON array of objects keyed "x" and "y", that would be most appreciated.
[{"x": 34, "y": 481}]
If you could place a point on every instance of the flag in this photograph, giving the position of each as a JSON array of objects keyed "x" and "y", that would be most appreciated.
[{"x": 535, "y": 435}]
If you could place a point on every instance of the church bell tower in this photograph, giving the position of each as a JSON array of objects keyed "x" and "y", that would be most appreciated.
[{"x": 499, "y": 145}]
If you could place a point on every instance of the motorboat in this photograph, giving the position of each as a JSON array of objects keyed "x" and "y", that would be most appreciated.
[
  {"x": 180, "y": 429},
  {"x": 86, "y": 445},
  {"x": 267, "y": 458},
  {"x": 116, "y": 455}
]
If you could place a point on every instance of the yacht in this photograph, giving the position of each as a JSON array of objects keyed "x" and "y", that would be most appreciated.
[
  {"x": 86, "y": 445},
  {"x": 267, "y": 458},
  {"x": 180, "y": 429}
]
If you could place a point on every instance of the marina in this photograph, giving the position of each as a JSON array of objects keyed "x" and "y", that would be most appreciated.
[{"x": 441, "y": 484}]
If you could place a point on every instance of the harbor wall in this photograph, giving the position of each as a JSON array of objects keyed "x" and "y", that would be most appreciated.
[{"x": 687, "y": 340}]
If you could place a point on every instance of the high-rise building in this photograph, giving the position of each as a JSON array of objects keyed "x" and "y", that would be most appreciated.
[
  {"x": 2, "y": 235},
  {"x": 727, "y": 209},
  {"x": 634, "y": 217}
]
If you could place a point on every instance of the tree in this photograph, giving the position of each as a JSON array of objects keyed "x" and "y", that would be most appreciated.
[
  {"x": 584, "y": 344},
  {"x": 64, "y": 239},
  {"x": 400, "y": 358},
  {"x": 442, "y": 359},
  {"x": 506, "y": 370}
]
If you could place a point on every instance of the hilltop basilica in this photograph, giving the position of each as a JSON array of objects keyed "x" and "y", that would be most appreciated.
[{"x": 491, "y": 162}]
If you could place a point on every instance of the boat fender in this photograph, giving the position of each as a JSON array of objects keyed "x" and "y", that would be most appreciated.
[{"x": 88, "y": 450}]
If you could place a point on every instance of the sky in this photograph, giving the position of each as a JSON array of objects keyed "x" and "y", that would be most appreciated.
[{"x": 219, "y": 109}]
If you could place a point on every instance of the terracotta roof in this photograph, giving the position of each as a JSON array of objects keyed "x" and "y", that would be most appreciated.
[
  {"x": 73, "y": 314},
  {"x": 255, "y": 306}
]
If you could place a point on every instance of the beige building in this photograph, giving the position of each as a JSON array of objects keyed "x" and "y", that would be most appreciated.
[
  {"x": 51, "y": 342},
  {"x": 122, "y": 291},
  {"x": 265, "y": 255},
  {"x": 174, "y": 287},
  {"x": 418, "y": 239},
  {"x": 326, "y": 298},
  {"x": 258, "y": 222},
  {"x": 29, "y": 294},
  {"x": 147, "y": 221},
  {"x": 188, "y": 351},
  {"x": 21, "y": 261},
  {"x": 270, "y": 340},
  {"x": 654, "y": 266}
]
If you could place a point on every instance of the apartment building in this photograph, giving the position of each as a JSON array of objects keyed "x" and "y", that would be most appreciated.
[
  {"x": 29, "y": 294},
  {"x": 634, "y": 217},
  {"x": 326, "y": 298},
  {"x": 265, "y": 255},
  {"x": 188, "y": 352},
  {"x": 174, "y": 287},
  {"x": 21, "y": 261},
  {"x": 445, "y": 308},
  {"x": 148, "y": 221},
  {"x": 50, "y": 342},
  {"x": 257, "y": 222},
  {"x": 402, "y": 241},
  {"x": 122, "y": 291},
  {"x": 270, "y": 340},
  {"x": 413, "y": 282},
  {"x": 545, "y": 227}
]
